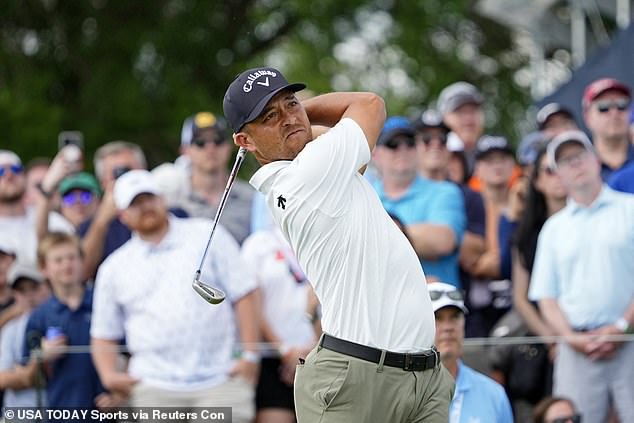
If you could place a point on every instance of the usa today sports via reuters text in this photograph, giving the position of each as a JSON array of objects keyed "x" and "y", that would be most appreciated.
[{"x": 15, "y": 415}]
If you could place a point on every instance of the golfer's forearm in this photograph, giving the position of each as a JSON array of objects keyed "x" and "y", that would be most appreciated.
[
  {"x": 328, "y": 109},
  {"x": 432, "y": 241}
]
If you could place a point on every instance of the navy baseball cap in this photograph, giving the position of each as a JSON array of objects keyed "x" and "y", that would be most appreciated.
[
  {"x": 395, "y": 125},
  {"x": 250, "y": 92}
]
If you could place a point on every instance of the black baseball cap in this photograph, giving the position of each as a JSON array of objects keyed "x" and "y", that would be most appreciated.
[
  {"x": 489, "y": 143},
  {"x": 250, "y": 92}
]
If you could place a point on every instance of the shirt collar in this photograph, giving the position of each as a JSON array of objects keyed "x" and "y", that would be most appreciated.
[
  {"x": 86, "y": 302},
  {"x": 265, "y": 172},
  {"x": 606, "y": 195},
  {"x": 414, "y": 188},
  {"x": 463, "y": 381}
]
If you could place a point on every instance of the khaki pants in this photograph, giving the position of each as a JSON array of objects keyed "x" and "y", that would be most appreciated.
[
  {"x": 333, "y": 387},
  {"x": 236, "y": 393}
]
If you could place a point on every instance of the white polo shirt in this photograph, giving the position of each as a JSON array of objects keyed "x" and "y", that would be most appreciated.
[
  {"x": 364, "y": 270},
  {"x": 143, "y": 292}
]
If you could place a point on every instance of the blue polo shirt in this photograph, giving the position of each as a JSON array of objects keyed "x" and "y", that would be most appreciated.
[
  {"x": 72, "y": 380},
  {"x": 607, "y": 172},
  {"x": 435, "y": 202},
  {"x": 623, "y": 179},
  {"x": 478, "y": 399}
]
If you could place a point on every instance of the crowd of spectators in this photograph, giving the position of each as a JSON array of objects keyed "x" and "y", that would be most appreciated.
[{"x": 533, "y": 241}]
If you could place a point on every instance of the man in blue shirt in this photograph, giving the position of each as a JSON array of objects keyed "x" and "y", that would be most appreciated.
[
  {"x": 477, "y": 398},
  {"x": 582, "y": 278},
  {"x": 432, "y": 211}
]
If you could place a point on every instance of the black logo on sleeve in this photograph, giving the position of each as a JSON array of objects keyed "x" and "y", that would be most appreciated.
[{"x": 281, "y": 202}]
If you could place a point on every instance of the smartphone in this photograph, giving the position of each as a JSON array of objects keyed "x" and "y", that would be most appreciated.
[{"x": 70, "y": 138}]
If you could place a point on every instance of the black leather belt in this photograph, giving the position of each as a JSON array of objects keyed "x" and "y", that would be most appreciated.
[{"x": 405, "y": 361}]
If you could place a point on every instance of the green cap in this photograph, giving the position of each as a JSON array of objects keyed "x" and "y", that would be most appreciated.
[{"x": 80, "y": 180}]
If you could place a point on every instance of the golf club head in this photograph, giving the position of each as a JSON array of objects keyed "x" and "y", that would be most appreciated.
[{"x": 209, "y": 293}]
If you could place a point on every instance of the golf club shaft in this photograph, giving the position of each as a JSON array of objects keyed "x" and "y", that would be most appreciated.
[{"x": 232, "y": 176}]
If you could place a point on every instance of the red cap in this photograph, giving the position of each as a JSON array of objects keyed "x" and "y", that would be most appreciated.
[{"x": 600, "y": 86}]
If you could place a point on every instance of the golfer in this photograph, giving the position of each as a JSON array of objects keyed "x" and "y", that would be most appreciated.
[{"x": 375, "y": 362}]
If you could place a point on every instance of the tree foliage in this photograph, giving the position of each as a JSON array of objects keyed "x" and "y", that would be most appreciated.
[{"x": 134, "y": 70}]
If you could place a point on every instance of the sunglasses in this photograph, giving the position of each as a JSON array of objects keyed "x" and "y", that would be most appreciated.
[
  {"x": 394, "y": 143},
  {"x": 14, "y": 168},
  {"x": 456, "y": 294},
  {"x": 200, "y": 143},
  {"x": 427, "y": 138},
  {"x": 621, "y": 104},
  {"x": 575, "y": 418},
  {"x": 72, "y": 198}
]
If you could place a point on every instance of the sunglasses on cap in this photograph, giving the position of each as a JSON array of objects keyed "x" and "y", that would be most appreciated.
[
  {"x": 76, "y": 197},
  {"x": 575, "y": 418},
  {"x": 456, "y": 294},
  {"x": 394, "y": 143},
  {"x": 200, "y": 142},
  {"x": 621, "y": 104},
  {"x": 14, "y": 168},
  {"x": 427, "y": 138}
]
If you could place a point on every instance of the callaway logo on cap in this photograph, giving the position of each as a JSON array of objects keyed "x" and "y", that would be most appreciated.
[{"x": 250, "y": 92}]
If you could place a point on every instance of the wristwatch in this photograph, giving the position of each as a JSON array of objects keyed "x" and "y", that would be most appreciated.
[{"x": 623, "y": 325}]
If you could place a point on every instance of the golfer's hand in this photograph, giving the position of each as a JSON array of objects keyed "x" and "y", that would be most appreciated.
[
  {"x": 119, "y": 383},
  {"x": 247, "y": 370}
]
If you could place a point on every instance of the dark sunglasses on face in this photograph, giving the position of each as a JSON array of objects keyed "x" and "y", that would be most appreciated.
[
  {"x": 621, "y": 104},
  {"x": 456, "y": 295},
  {"x": 575, "y": 418},
  {"x": 394, "y": 143},
  {"x": 72, "y": 198},
  {"x": 14, "y": 168},
  {"x": 427, "y": 138},
  {"x": 200, "y": 143}
]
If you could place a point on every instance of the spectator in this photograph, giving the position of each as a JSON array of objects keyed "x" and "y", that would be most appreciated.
[
  {"x": 477, "y": 397},
  {"x": 460, "y": 105},
  {"x": 35, "y": 170},
  {"x": 553, "y": 119},
  {"x": 104, "y": 232},
  {"x": 525, "y": 369},
  {"x": 74, "y": 194},
  {"x": 287, "y": 299},
  {"x": 432, "y": 211},
  {"x": 527, "y": 150},
  {"x": 590, "y": 240},
  {"x": 197, "y": 189},
  {"x": 17, "y": 222},
  {"x": 489, "y": 294},
  {"x": 433, "y": 163},
  {"x": 606, "y": 105},
  {"x": 144, "y": 294},
  {"x": 29, "y": 291},
  {"x": 7, "y": 257},
  {"x": 623, "y": 179},
  {"x": 556, "y": 410},
  {"x": 64, "y": 321}
]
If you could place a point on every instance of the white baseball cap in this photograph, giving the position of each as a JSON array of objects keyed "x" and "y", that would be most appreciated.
[
  {"x": 445, "y": 295},
  {"x": 19, "y": 270},
  {"x": 8, "y": 246},
  {"x": 571, "y": 136},
  {"x": 131, "y": 184},
  {"x": 9, "y": 158}
]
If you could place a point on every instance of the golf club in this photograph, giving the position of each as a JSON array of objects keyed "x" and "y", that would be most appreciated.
[{"x": 209, "y": 293}]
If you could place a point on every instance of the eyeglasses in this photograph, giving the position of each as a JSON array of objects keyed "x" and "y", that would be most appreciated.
[
  {"x": 456, "y": 294},
  {"x": 72, "y": 198},
  {"x": 621, "y": 104},
  {"x": 394, "y": 143},
  {"x": 200, "y": 143},
  {"x": 427, "y": 138},
  {"x": 14, "y": 168},
  {"x": 575, "y": 418},
  {"x": 573, "y": 158}
]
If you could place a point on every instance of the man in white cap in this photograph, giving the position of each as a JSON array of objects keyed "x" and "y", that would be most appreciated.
[
  {"x": 582, "y": 279},
  {"x": 181, "y": 346},
  {"x": 477, "y": 398}
]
